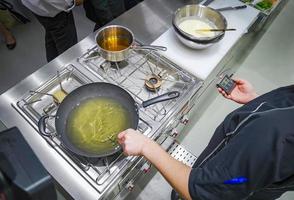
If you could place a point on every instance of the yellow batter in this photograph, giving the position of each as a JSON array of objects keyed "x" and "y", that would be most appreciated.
[{"x": 190, "y": 26}]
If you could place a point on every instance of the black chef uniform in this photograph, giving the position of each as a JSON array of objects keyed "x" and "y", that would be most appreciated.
[{"x": 251, "y": 154}]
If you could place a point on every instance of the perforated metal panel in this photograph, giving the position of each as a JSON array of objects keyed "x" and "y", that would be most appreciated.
[{"x": 181, "y": 154}]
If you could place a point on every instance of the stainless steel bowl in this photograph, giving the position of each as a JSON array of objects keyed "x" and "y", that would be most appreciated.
[{"x": 199, "y": 12}]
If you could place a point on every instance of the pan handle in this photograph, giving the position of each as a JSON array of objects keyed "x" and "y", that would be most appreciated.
[
  {"x": 42, "y": 126},
  {"x": 160, "y": 98},
  {"x": 149, "y": 47},
  {"x": 207, "y": 2}
]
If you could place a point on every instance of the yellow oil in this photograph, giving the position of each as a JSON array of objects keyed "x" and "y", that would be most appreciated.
[
  {"x": 94, "y": 125},
  {"x": 114, "y": 43}
]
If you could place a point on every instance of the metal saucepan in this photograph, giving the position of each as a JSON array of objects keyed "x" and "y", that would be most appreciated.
[
  {"x": 95, "y": 91},
  {"x": 115, "y": 42}
]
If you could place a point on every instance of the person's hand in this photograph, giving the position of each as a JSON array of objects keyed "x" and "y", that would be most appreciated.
[
  {"x": 242, "y": 93},
  {"x": 133, "y": 142}
]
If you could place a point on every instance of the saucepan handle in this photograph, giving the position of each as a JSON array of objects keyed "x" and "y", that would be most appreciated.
[
  {"x": 207, "y": 2},
  {"x": 164, "y": 97},
  {"x": 42, "y": 126},
  {"x": 149, "y": 47}
]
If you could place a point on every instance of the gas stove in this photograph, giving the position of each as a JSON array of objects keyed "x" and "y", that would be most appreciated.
[{"x": 144, "y": 74}]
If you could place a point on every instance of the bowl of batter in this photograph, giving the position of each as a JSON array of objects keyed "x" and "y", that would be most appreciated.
[{"x": 192, "y": 25}]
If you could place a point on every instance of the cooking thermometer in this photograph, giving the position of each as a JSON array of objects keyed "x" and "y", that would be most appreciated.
[{"x": 227, "y": 84}]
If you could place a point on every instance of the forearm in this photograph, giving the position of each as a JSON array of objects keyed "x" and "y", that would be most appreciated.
[
  {"x": 175, "y": 172},
  {"x": 252, "y": 96}
]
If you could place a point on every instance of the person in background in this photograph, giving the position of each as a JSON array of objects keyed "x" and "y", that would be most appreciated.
[
  {"x": 8, "y": 36},
  {"x": 57, "y": 19},
  {"x": 250, "y": 155},
  {"x": 131, "y": 3},
  {"x": 103, "y": 11}
]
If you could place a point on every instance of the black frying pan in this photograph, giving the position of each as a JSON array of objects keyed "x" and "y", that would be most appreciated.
[{"x": 97, "y": 90}]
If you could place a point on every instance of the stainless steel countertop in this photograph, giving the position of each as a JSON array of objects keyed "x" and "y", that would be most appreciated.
[{"x": 148, "y": 20}]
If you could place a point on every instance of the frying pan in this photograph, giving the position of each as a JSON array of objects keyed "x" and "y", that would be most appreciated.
[{"x": 92, "y": 91}]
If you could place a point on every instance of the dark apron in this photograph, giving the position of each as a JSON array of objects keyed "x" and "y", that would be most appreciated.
[{"x": 103, "y": 11}]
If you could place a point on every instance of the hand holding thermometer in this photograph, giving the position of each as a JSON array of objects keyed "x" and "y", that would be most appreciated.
[{"x": 227, "y": 84}]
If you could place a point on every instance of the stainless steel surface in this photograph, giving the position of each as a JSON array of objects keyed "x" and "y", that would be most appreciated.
[
  {"x": 177, "y": 151},
  {"x": 147, "y": 21},
  {"x": 81, "y": 178},
  {"x": 200, "y": 12},
  {"x": 36, "y": 96},
  {"x": 203, "y": 63},
  {"x": 181, "y": 154}
]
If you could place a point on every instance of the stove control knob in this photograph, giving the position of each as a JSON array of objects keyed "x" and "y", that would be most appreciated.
[
  {"x": 174, "y": 132},
  {"x": 146, "y": 168},
  {"x": 130, "y": 185},
  {"x": 185, "y": 120}
]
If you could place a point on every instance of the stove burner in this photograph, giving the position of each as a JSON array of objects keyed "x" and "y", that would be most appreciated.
[
  {"x": 120, "y": 65},
  {"x": 144, "y": 75},
  {"x": 153, "y": 82},
  {"x": 114, "y": 65}
]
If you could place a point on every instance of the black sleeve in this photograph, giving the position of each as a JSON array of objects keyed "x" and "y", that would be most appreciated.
[{"x": 256, "y": 153}]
